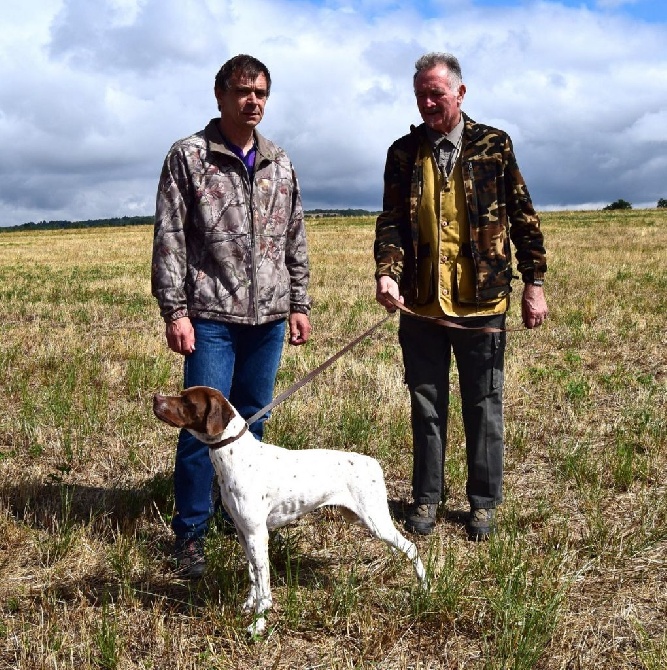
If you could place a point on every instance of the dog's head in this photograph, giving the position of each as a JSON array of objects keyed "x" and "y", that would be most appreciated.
[{"x": 202, "y": 410}]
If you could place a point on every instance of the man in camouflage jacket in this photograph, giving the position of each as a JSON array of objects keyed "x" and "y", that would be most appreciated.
[
  {"x": 229, "y": 270},
  {"x": 487, "y": 162},
  {"x": 454, "y": 204},
  {"x": 228, "y": 246}
]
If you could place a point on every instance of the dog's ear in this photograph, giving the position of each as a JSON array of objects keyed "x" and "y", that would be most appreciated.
[
  {"x": 214, "y": 424},
  {"x": 219, "y": 415}
]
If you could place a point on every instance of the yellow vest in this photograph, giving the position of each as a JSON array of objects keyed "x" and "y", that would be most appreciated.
[{"x": 443, "y": 273}]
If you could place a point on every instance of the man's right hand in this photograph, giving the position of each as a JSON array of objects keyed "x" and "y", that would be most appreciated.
[
  {"x": 181, "y": 336},
  {"x": 386, "y": 286}
]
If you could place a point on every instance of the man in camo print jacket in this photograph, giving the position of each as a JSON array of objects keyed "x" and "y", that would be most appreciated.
[
  {"x": 454, "y": 204},
  {"x": 229, "y": 271}
]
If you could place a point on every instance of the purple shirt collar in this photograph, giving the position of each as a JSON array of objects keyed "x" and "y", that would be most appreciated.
[{"x": 248, "y": 159}]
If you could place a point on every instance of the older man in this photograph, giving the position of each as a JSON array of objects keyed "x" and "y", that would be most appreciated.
[
  {"x": 454, "y": 199},
  {"x": 229, "y": 270}
]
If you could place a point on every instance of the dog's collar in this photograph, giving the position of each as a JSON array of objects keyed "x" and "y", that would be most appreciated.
[{"x": 228, "y": 440}]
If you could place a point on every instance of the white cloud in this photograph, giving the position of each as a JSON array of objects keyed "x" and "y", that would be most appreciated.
[
  {"x": 614, "y": 4},
  {"x": 93, "y": 94}
]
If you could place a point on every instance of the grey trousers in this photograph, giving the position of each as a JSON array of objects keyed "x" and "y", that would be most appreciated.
[{"x": 480, "y": 359}]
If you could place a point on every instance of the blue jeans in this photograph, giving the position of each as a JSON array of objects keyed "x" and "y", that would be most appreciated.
[
  {"x": 242, "y": 362},
  {"x": 480, "y": 357}
]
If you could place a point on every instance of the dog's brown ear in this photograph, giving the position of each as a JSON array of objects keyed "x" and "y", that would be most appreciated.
[{"x": 219, "y": 415}]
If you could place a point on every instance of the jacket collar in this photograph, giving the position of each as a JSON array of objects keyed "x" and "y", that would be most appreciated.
[
  {"x": 215, "y": 142},
  {"x": 470, "y": 129}
]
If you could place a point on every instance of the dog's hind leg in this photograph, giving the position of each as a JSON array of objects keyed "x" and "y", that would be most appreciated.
[
  {"x": 410, "y": 550},
  {"x": 379, "y": 522}
]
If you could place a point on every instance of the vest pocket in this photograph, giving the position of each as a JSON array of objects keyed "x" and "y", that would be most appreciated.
[
  {"x": 464, "y": 281},
  {"x": 464, "y": 286},
  {"x": 425, "y": 275}
]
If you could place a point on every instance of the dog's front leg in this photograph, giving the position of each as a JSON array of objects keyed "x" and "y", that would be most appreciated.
[
  {"x": 258, "y": 568},
  {"x": 249, "y": 604}
]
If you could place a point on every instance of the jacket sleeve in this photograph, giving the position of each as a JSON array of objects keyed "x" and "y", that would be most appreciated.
[
  {"x": 296, "y": 254},
  {"x": 168, "y": 268},
  {"x": 525, "y": 231},
  {"x": 393, "y": 220}
]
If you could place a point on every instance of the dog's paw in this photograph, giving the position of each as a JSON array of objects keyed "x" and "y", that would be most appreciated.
[
  {"x": 249, "y": 605},
  {"x": 257, "y": 627}
]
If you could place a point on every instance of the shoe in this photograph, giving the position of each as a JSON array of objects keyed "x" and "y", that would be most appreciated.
[
  {"x": 189, "y": 557},
  {"x": 422, "y": 519},
  {"x": 481, "y": 524}
]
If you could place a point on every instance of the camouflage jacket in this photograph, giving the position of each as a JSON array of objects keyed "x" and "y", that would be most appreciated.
[
  {"x": 226, "y": 247},
  {"x": 499, "y": 210}
]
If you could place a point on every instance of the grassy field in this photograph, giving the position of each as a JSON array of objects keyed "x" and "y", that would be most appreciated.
[{"x": 576, "y": 579}]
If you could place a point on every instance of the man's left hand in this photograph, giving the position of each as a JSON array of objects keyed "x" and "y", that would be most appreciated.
[
  {"x": 533, "y": 306},
  {"x": 299, "y": 328}
]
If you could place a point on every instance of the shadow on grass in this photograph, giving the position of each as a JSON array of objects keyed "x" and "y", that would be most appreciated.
[
  {"x": 117, "y": 518},
  {"x": 45, "y": 505}
]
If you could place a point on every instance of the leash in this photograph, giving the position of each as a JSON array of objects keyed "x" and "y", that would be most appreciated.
[
  {"x": 320, "y": 368},
  {"x": 438, "y": 320},
  {"x": 313, "y": 373}
]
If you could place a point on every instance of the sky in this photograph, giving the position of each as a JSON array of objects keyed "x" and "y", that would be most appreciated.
[{"x": 93, "y": 94}]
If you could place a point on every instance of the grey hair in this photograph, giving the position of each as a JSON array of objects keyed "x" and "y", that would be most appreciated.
[{"x": 435, "y": 58}]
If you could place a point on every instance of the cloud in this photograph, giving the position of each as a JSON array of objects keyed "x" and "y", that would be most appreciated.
[{"x": 93, "y": 94}]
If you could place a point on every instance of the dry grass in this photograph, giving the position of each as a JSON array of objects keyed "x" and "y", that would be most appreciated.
[{"x": 576, "y": 579}]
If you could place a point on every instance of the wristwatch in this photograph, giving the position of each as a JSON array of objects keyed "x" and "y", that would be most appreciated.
[{"x": 536, "y": 282}]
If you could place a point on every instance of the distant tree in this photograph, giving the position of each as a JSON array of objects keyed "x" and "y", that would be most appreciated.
[
  {"x": 619, "y": 204},
  {"x": 662, "y": 202}
]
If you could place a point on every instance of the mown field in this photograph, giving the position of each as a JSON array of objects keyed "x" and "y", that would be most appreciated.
[{"x": 576, "y": 579}]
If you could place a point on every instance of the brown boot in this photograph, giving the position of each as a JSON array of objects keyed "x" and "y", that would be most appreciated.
[
  {"x": 481, "y": 524},
  {"x": 422, "y": 519},
  {"x": 189, "y": 557}
]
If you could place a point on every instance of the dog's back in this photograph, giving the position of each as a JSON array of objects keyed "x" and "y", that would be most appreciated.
[{"x": 291, "y": 483}]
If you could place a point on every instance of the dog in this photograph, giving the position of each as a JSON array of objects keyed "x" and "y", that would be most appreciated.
[{"x": 264, "y": 487}]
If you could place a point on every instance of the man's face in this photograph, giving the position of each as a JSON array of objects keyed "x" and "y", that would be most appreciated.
[
  {"x": 242, "y": 106},
  {"x": 438, "y": 104}
]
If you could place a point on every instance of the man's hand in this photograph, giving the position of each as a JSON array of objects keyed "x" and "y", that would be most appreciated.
[
  {"x": 533, "y": 306},
  {"x": 181, "y": 336},
  {"x": 299, "y": 328},
  {"x": 386, "y": 286}
]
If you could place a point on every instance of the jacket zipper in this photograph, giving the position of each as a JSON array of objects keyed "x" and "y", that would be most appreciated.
[{"x": 253, "y": 244}]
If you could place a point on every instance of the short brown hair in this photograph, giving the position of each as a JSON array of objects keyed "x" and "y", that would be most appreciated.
[{"x": 245, "y": 66}]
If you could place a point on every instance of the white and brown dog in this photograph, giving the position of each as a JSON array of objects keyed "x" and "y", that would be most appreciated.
[{"x": 265, "y": 487}]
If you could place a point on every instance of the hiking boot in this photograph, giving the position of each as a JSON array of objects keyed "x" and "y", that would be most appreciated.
[
  {"x": 481, "y": 524},
  {"x": 422, "y": 519},
  {"x": 189, "y": 557}
]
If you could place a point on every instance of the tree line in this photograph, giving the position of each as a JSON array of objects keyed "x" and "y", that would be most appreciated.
[
  {"x": 624, "y": 204},
  {"x": 90, "y": 223},
  {"x": 149, "y": 220}
]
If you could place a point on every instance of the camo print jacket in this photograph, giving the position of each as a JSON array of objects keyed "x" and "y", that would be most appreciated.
[
  {"x": 225, "y": 247},
  {"x": 499, "y": 210}
]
